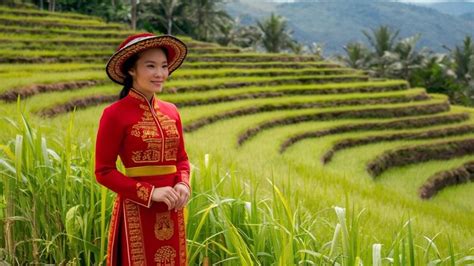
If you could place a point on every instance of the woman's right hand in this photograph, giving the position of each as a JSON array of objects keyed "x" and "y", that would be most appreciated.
[{"x": 167, "y": 195}]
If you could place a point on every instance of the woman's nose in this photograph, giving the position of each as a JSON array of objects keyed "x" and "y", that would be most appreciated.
[{"x": 160, "y": 73}]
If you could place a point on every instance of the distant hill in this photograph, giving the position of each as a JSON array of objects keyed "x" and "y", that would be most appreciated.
[
  {"x": 337, "y": 23},
  {"x": 468, "y": 16},
  {"x": 453, "y": 8},
  {"x": 249, "y": 11}
]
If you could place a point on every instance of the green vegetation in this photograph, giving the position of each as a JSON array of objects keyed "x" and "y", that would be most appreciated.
[
  {"x": 438, "y": 73},
  {"x": 297, "y": 190},
  {"x": 228, "y": 220}
]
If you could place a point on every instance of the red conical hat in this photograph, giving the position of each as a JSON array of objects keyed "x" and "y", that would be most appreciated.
[{"x": 176, "y": 48}]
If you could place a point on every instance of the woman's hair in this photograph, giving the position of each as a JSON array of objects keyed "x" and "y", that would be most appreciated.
[{"x": 130, "y": 63}]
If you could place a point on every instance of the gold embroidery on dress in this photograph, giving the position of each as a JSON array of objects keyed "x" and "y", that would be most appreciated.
[
  {"x": 147, "y": 130},
  {"x": 164, "y": 226},
  {"x": 142, "y": 192},
  {"x": 171, "y": 149},
  {"x": 182, "y": 239},
  {"x": 165, "y": 255},
  {"x": 148, "y": 155},
  {"x": 135, "y": 95},
  {"x": 113, "y": 228},
  {"x": 137, "y": 251},
  {"x": 172, "y": 136},
  {"x": 168, "y": 125}
]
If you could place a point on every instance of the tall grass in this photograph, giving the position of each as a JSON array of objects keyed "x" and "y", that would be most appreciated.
[
  {"x": 54, "y": 203},
  {"x": 53, "y": 211}
]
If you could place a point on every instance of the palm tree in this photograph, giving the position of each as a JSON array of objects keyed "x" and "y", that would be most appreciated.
[
  {"x": 464, "y": 60},
  {"x": 436, "y": 75},
  {"x": 165, "y": 15},
  {"x": 298, "y": 48},
  {"x": 464, "y": 68},
  {"x": 406, "y": 57},
  {"x": 357, "y": 55},
  {"x": 382, "y": 41},
  {"x": 232, "y": 33},
  {"x": 207, "y": 15},
  {"x": 52, "y": 5},
  {"x": 276, "y": 37},
  {"x": 171, "y": 10},
  {"x": 133, "y": 14},
  {"x": 228, "y": 32}
]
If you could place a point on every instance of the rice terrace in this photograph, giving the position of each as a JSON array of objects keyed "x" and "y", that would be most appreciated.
[{"x": 296, "y": 160}]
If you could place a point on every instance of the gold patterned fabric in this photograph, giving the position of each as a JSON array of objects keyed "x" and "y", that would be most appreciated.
[{"x": 147, "y": 136}]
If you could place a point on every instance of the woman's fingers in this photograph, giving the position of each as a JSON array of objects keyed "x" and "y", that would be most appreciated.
[
  {"x": 168, "y": 195},
  {"x": 183, "y": 199},
  {"x": 173, "y": 194},
  {"x": 168, "y": 203},
  {"x": 178, "y": 204},
  {"x": 173, "y": 198}
]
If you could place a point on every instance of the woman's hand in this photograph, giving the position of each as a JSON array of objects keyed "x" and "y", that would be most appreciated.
[
  {"x": 183, "y": 192},
  {"x": 168, "y": 195}
]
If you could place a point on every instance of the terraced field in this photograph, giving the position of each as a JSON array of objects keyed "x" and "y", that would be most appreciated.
[{"x": 330, "y": 131}]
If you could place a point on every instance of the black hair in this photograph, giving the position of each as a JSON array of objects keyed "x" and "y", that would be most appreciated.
[{"x": 128, "y": 80}]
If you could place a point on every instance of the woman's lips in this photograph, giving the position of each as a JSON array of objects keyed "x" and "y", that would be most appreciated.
[{"x": 157, "y": 82}]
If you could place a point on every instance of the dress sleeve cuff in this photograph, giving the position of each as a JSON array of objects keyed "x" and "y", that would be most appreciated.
[
  {"x": 186, "y": 184},
  {"x": 144, "y": 193}
]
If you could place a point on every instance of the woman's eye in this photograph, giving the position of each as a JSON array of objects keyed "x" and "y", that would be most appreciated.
[
  {"x": 150, "y": 66},
  {"x": 165, "y": 66}
]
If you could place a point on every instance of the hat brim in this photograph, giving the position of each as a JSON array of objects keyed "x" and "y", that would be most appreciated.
[{"x": 177, "y": 52}]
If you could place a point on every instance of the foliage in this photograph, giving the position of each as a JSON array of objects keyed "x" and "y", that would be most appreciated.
[
  {"x": 276, "y": 36},
  {"x": 53, "y": 211},
  {"x": 388, "y": 57},
  {"x": 233, "y": 33},
  {"x": 167, "y": 16}
]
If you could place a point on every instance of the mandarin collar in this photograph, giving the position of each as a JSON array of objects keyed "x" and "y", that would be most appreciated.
[{"x": 140, "y": 96}]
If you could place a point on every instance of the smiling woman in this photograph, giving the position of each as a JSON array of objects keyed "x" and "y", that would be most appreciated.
[
  {"x": 146, "y": 71},
  {"x": 146, "y": 133}
]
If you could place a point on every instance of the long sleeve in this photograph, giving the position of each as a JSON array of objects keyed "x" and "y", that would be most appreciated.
[
  {"x": 108, "y": 143},
  {"x": 182, "y": 163}
]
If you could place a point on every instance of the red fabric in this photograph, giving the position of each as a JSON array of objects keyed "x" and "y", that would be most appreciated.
[{"x": 142, "y": 134}]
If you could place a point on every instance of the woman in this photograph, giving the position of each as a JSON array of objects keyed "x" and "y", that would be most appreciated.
[{"x": 147, "y": 225}]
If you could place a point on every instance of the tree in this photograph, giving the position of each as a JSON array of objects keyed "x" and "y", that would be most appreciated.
[
  {"x": 133, "y": 14},
  {"x": 382, "y": 41},
  {"x": 233, "y": 33},
  {"x": 406, "y": 58},
  {"x": 51, "y": 5},
  {"x": 436, "y": 75},
  {"x": 464, "y": 68},
  {"x": 276, "y": 36},
  {"x": 357, "y": 55},
  {"x": 464, "y": 60},
  {"x": 228, "y": 33},
  {"x": 207, "y": 15},
  {"x": 164, "y": 15},
  {"x": 297, "y": 48}
]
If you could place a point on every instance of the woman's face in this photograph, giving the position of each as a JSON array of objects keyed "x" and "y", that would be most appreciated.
[{"x": 150, "y": 71}]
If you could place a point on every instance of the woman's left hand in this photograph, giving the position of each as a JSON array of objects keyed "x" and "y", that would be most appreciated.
[{"x": 183, "y": 192}]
